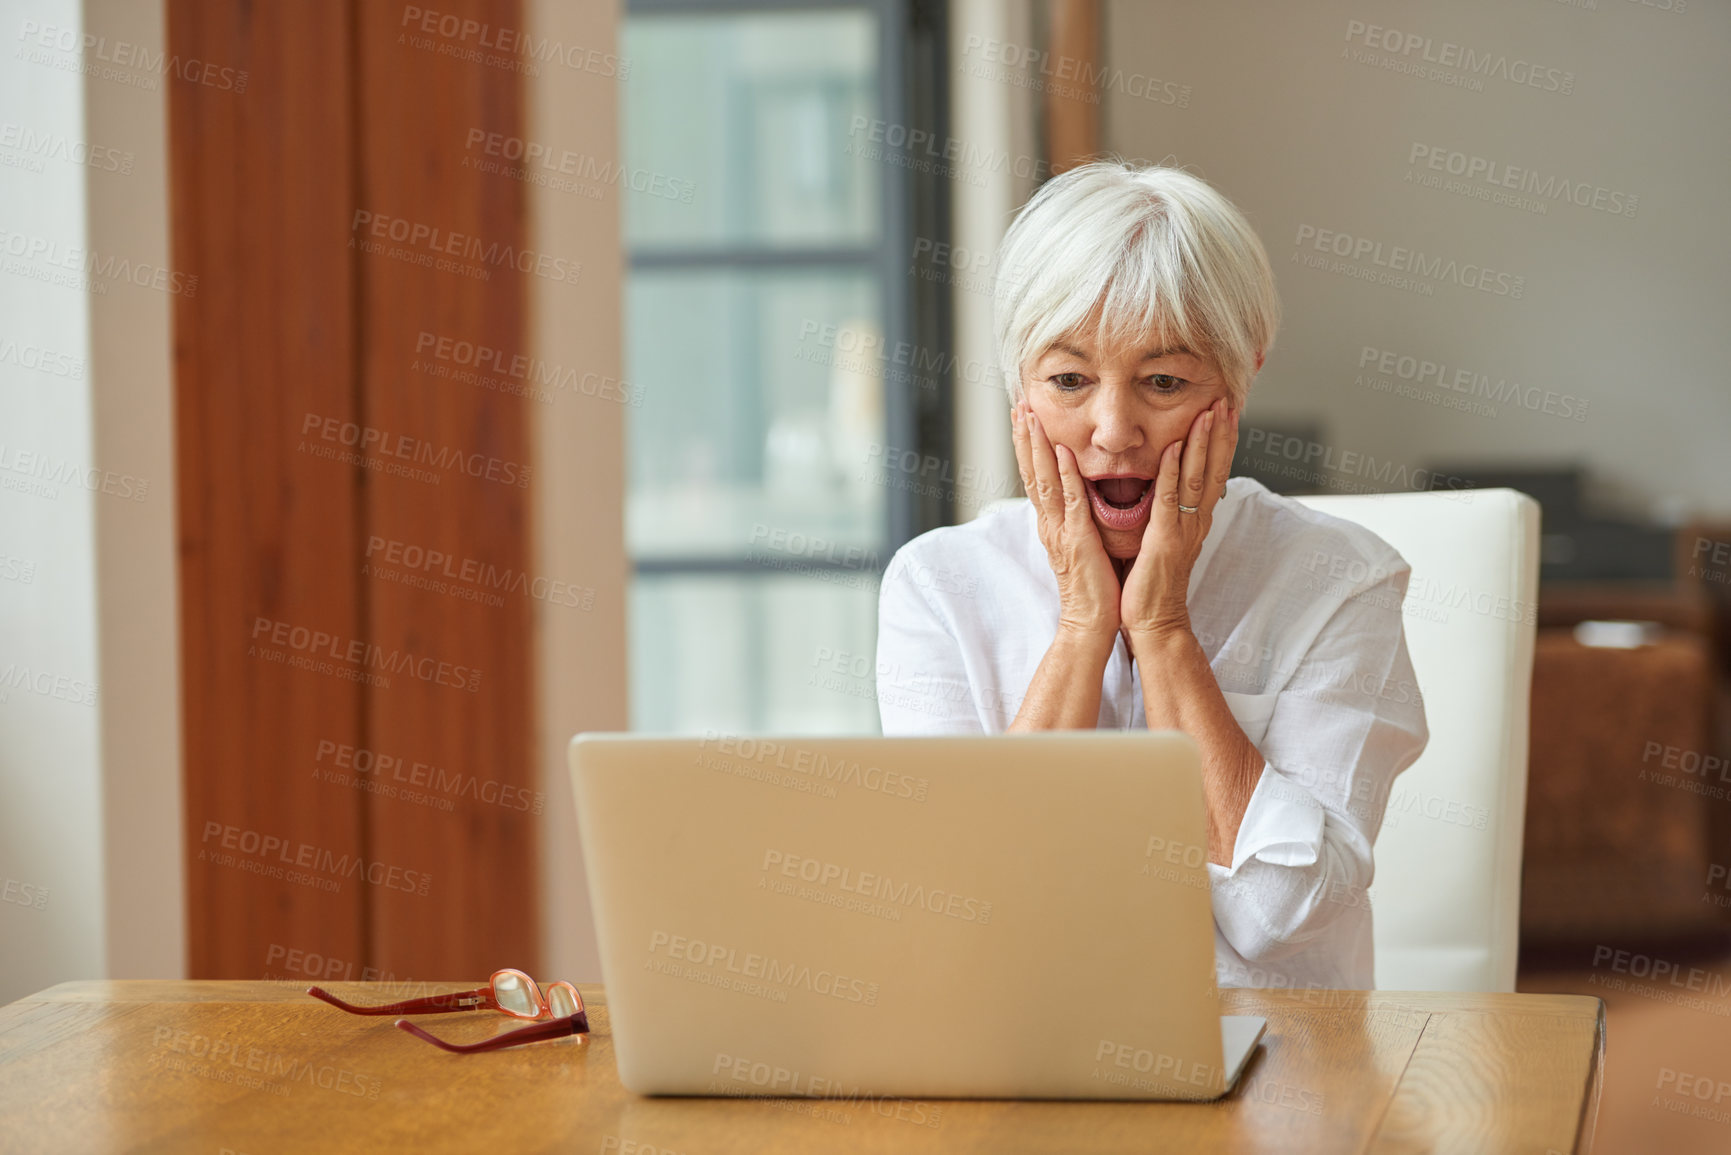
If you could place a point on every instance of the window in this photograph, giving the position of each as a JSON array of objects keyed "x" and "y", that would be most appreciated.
[{"x": 769, "y": 240}]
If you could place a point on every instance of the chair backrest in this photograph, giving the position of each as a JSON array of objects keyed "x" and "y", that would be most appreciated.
[{"x": 1446, "y": 897}]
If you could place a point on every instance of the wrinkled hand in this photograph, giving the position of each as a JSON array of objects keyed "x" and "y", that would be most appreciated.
[
  {"x": 1088, "y": 590},
  {"x": 1192, "y": 472}
]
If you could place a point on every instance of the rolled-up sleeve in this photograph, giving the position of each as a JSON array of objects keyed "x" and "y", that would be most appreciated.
[
  {"x": 1345, "y": 724},
  {"x": 1280, "y": 826},
  {"x": 922, "y": 679}
]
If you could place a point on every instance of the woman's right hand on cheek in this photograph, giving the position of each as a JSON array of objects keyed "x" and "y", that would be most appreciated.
[{"x": 1088, "y": 588}]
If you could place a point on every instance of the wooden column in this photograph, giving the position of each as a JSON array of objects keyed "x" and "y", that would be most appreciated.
[
  {"x": 259, "y": 212},
  {"x": 418, "y": 111},
  {"x": 311, "y": 437},
  {"x": 1071, "y": 83}
]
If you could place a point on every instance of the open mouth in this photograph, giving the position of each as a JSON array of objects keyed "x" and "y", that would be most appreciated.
[{"x": 1120, "y": 502}]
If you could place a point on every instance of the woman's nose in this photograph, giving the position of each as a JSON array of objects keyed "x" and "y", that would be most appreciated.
[{"x": 1117, "y": 427}]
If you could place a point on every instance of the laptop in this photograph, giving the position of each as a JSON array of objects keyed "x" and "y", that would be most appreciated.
[{"x": 1007, "y": 916}]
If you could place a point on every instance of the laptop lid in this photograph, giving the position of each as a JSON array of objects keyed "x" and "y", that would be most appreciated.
[{"x": 1020, "y": 916}]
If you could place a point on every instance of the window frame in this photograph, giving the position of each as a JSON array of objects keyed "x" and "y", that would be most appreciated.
[{"x": 913, "y": 90}]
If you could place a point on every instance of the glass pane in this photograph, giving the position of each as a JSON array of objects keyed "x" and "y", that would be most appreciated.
[
  {"x": 761, "y": 420},
  {"x": 792, "y": 655},
  {"x": 739, "y": 127}
]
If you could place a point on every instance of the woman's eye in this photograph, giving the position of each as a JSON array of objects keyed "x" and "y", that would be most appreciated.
[
  {"x": 1068, "y": 382},
  {"x": 1166, "y": 383}
]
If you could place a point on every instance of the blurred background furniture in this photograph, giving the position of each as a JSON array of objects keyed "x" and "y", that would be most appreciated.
[
  {"x": 1619, "y": 836},
  {"x": 1626, "y": 812}
]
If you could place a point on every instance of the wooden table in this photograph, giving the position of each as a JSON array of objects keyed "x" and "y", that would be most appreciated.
[{"x": 254, "y": 1068}]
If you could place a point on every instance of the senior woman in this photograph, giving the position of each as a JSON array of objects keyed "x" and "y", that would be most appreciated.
[{"x": 1141, "y": 586}]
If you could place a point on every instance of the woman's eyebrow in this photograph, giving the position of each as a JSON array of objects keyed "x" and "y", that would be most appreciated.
[
  {"x": 1174, "y": 351},
  {"x": 1151, "y": 355}
]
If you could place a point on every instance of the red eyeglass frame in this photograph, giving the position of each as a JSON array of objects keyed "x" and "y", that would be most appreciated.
[{"x": 481, "y": 998}]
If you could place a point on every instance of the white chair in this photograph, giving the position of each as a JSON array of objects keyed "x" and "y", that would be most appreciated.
[{"x": 1446, "y": 897}]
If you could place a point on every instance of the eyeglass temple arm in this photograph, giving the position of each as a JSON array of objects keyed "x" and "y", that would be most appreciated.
[
  {"x": 454, "y": 1001},
  {"x": 576, "y": 1024}
]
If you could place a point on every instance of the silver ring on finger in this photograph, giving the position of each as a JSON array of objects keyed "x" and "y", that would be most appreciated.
[{"x": 1187, "y": 509}]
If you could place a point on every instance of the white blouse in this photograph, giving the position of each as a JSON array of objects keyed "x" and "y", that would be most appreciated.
[{"x": 1299, "y": 615}]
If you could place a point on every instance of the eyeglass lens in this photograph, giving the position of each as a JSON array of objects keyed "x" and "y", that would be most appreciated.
[
  {"x": 518, "y": 995},
  {"x": 560, "y": 1002}
]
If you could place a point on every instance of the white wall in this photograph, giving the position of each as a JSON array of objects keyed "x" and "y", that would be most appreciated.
[
  {"x": 138, "y": 593},
  {"x": 579, "y": 526},
  {"x": 992, "y": 119},
  {"x": 50, "y": 782},
  {"x": 1303, "y": 127},
  {"x": 89, "y": 706}
]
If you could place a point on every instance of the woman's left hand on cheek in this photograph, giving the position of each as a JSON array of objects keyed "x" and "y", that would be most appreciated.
[{"x": 1193, "y": 473}]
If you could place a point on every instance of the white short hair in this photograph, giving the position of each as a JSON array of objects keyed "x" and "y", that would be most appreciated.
[{"x": 1158, "y": 252}]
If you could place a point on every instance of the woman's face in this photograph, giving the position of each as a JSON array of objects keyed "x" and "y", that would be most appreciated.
[{"x": 1117, "y": 409}]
